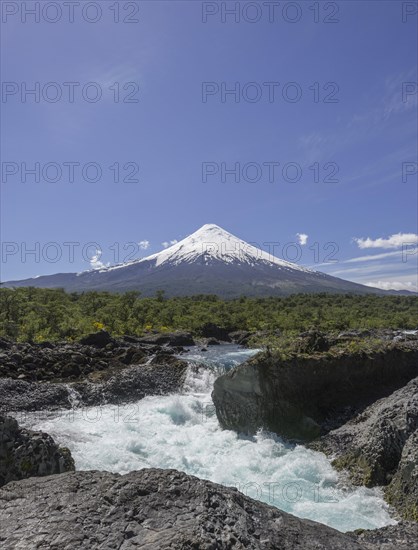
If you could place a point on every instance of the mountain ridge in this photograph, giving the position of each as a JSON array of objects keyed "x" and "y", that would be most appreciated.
[{"x": 209, "y": 261}]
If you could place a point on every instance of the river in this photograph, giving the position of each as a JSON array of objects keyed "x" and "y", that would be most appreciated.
[{"x": 182, "y": 432}]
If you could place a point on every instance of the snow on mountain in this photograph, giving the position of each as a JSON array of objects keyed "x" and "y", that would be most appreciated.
[
  {"x": 209, "y": 261},
  {"x": 211, "y": 244}
]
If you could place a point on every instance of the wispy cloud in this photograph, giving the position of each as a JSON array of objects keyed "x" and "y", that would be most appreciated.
[
  {"x": 373, "y": 257},
  {"x": 378, "y": 268},
  {"x": 369, "y": 258},
  {"x": 395, "y": 96},
  {"x": 389, "y": 101},
  {"x": 120, "y": 73},
  {"x": 400, "y": 93},
  {"x": 395, "y": 271}
]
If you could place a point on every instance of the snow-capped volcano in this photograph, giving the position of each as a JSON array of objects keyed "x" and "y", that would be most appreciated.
[
  {"x": 211, "y": 244},
  {"x": 209, "y": 261}
]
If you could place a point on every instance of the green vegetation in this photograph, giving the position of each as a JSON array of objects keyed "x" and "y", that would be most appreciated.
[
  {"x": 360, "y": 470},
  {"x": 31, "y": 314},
  {"x": 26, "y": 465},
  {"x": 290, "y": 345}
]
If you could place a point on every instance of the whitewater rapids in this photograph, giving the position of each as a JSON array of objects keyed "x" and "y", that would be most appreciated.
[{"x": 182, "y": 432}]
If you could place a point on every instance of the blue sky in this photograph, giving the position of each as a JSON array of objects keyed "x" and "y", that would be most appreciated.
[{"x": 366, "y": 62}]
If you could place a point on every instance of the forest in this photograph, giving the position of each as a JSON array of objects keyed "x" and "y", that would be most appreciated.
[{"x": 36, "y": 315}]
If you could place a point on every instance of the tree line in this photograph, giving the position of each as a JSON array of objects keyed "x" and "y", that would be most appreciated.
[{"x": 34, "y": 314}]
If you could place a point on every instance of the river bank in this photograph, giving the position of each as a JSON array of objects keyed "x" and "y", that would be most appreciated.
[{"x": 179, "y": 430}]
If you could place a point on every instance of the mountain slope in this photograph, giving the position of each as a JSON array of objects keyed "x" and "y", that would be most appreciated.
[{"x": 210, "y": 261}]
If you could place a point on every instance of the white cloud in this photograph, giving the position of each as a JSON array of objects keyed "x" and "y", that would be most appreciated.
[
  {"x": 144, "y": 245},
  {"x": 394, "y": 285},
  {"x": 394, "y": 241},
  {"x": 303, "y": 238},
  {"x": 166, "y": 244},
  {"x": 95, "y": 262}
]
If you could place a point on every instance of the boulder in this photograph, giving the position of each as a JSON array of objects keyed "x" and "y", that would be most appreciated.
[
  {"x": 24, "y": 453},
  {"x": 98, "y": 339},
  {"x": 5, "y": 343},
  {"x": 210, "y": 330},
  {"x": 212, "y": 342}
]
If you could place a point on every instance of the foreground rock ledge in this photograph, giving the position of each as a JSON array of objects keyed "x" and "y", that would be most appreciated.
[{"x": 150, "y": 509}]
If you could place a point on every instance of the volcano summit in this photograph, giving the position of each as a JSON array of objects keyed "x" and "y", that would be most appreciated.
[{"x": 209, "y": 261}]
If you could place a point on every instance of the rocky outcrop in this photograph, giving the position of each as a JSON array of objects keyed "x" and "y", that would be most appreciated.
[
  {"x": 70, "y": 361},
  {"x": 379, "y": 446},
  {"x": 99, "y": 339},
  {"x": 402, "y": 491},
  {"x": 67, "y": 362},
  {"x": 150, "y": 509},
  {"x": 360, "y": 409},
  {"x": 178, "y": 338},
  {"x": 210, "y": 330},
  {"x": 62, "y": 375},
  {"x": 159, "y": 377},
  {"x": 24, "y": 453},
  {"x": 370, "y": 445},
  {"x": 129, "y": 384},
  {"x": 18, "y": 395},
  {"x": 298, "y": 396},
  {"x": 391, "y": 537}
]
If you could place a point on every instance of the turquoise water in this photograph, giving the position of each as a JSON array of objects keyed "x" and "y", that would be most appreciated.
[{"x": 181, "y": 431}]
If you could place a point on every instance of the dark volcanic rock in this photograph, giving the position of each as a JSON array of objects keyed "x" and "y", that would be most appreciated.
[
  {"x": 370, "y": 445},
  {"x": 153, "y": 510},
  {"x": 99, "y": 339},
  {"x": 33, "y": 375},
  {"x": 70, "y": 362},
  {"x": 122, "y": 386},
  {"x": 210, "y": 330},
  {"x": 24, "y": 453},
  {"x": 5, "y": 343},
  {"x": 170, "y": 339},
  {"x": 391, "y": 537},
  {"x": 296, "y": 396},
  {"x": 402, "y": 491},
  {"x": 135, "y": 383},
  {"x": 212, "y": 342},
  {"x": 19, "y": 395}
]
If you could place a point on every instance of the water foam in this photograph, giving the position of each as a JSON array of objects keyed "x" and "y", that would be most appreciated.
[{"x": 182, "y": 432}]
